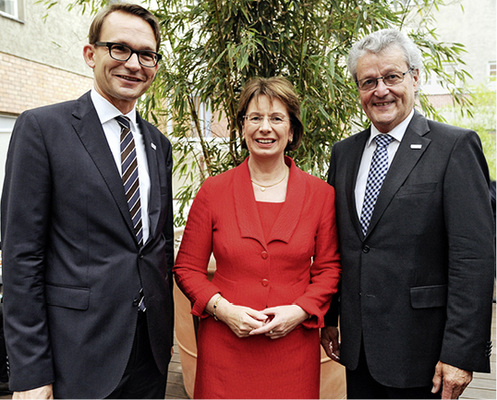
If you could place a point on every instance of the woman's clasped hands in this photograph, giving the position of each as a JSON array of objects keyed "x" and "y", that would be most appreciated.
[
  {"x": 241, "y": 320},
  {"x": 274, "y": 322},
  {"x": 281, "y": 320}
]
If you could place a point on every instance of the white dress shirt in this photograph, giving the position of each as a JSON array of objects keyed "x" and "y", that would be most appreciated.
[
  {"x": 107, "y": 114},
  {"x": 362, "y": 177}
]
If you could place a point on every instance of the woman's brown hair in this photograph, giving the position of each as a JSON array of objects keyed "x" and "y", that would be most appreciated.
[{"x": 274, "y": 88}]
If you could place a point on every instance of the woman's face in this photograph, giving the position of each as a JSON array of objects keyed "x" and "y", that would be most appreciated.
[{"x": 267, "y": 128}]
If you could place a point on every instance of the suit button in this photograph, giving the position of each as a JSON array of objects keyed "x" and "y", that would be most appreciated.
[
  {"x": 365, "y": 249},
  {"x": 264, "y": 255},
  {"x": 265, "y": 282}
]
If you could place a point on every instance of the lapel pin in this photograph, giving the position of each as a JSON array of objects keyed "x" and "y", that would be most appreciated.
[
  {"x": 416, "y": 146},
  {"x": 153, "y": 146}
]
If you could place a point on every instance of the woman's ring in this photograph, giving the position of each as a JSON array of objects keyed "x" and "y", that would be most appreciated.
[{"x": 271, "y": 332}]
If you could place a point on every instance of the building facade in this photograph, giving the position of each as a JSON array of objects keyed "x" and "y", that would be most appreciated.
[
  {"x": 41, "y": 57},
  {"x": 41, "y": 60},
  {"x": 473, "y": 24}
]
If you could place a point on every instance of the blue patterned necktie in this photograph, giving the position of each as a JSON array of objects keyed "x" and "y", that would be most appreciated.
[
  {"x": 377, "y": 172},
  {"x": 129, "y": 171}
]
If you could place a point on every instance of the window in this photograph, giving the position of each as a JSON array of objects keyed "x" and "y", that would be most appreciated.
[
  {"x": 6, "y": 123},
  {"x": 204, "y": 114},
  {"x": 492, "y": 69},
  {"x": 10, "y": 8},
  {"x": 6, "y": 126}
]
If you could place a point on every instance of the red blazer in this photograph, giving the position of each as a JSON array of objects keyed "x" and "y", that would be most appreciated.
[{"x": 298, "y": 264}]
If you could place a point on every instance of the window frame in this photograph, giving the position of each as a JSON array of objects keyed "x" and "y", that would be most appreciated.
[{"x": 17, "y": 14}]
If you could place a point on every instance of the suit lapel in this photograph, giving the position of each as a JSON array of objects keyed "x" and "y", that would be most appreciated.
[
  {"x": 412, "y": 147},
  {"x": 289, "y": 216},
  {"x": 354, "y": 156},
  {"x": 246, "y": 212},
  {"x": 153, "y": 170},
  {"x": 87, "y": 125}
]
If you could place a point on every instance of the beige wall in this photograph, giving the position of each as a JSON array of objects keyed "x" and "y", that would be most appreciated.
[
  {"x": 57, "y": 40},
  {"x": 472, "y": 23},
  {"x": 41, "y": 56}
]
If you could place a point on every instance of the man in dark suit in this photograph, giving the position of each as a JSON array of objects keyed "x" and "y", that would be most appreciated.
[
  {"x": 416, "y": 239},
  {"x": 88, "y": 253}
]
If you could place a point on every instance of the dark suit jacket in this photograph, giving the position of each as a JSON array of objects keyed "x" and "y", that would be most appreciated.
[
  {"x": 418, "y": 287},
  {"x": 71, "y": 264}
]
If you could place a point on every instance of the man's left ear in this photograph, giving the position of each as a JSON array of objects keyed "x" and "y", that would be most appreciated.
[
  {"x": 89, "y": 55},
  {"x": 416, "y": 77}
]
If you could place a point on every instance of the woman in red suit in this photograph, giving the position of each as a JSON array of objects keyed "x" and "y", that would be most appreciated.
[{"x": 272, "y": 230}]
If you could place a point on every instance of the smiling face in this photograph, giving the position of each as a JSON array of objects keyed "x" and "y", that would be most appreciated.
[
  {"x": 122, "y": 82},
  {"x": 266, "y": 141},
  {"x": 387, "y": 106}
]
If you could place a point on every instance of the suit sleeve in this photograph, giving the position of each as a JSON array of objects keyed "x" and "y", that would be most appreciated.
[
  {"x": 26, "y": 199},
  {"x": 169, "y": 225},
  {"x": 331, "y": 317},
  {"x": 470, "y": 234},
  {"x": 194, "y": 254},
  {"x": 325, "y": 269}
]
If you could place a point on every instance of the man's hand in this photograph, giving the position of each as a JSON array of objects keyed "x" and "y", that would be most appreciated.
[
  {"x": 330, "y": 343},
  {"x": 43, "y": 392},
  {"x": 451, "y": 380}
]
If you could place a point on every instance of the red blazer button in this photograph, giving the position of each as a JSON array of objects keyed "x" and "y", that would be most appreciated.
[
  {"x": 265, "y": 282},
  {"x": 264, "y": 255}
]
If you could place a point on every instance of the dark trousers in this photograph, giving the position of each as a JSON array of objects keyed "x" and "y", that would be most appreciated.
[
  {"x": 361, "y": 385},
  {"x": 141, "y": 379},
  {"x": 4, "y": 373}
]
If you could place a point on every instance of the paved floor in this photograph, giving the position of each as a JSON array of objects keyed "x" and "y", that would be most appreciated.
[{"x": 175, "y": 388}]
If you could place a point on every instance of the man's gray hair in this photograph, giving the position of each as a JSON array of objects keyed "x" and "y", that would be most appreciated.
[{"x": 383, "y": 39}]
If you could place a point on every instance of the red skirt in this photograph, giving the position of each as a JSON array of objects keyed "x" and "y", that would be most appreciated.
[{"x": 256, "y": 367}]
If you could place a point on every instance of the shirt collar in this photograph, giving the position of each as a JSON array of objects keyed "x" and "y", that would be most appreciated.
[
  {"x": 107, "y": 112},
  {"x": 397, "y": 133}
]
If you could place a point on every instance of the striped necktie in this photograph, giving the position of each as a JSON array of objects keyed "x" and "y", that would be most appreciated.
[
  {"x": 129, "y": 171},
  {"x": 376, "y": 176}
]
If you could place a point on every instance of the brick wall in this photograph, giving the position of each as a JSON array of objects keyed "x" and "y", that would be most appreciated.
[
  {"x": 26, "y": 84},
  {"x": 440, "y": 100}
]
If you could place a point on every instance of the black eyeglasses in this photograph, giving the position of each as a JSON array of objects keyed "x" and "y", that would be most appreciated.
[
  {"x": 122, "y": 52},
  {"x": 391, "y": 79}
]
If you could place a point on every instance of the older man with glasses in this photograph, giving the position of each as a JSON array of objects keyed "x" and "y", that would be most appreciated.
[
  {"x": 416, "y": 239},
  {"x": 87, "y": 230}
]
